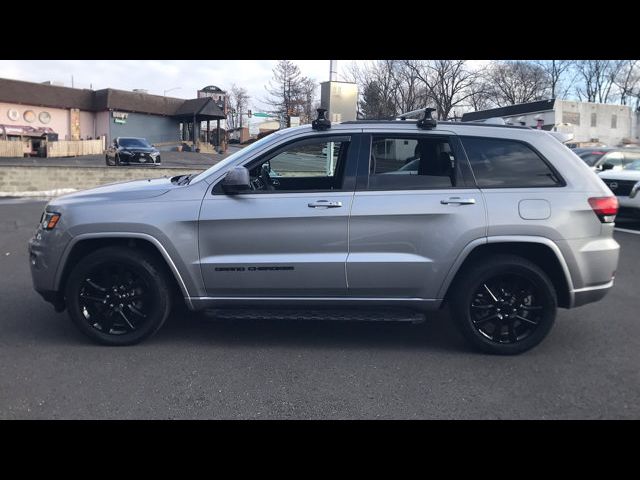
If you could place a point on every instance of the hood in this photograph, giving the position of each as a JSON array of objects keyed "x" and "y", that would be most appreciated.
[
  {"x": 621, "y": 175},
  {"x": 133, "y": 190}
]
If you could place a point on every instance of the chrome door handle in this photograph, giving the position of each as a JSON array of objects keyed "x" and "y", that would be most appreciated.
[
  {"x": 458, "y": 201},
  {"x": 324, "y": 204}
]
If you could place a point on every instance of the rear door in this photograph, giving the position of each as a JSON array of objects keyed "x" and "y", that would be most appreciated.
[{"x": 414, "y": 210}]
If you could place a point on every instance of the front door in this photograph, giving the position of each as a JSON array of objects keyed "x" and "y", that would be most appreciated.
[
  {"x": 414, "y": 211},
  {"x": 288, "y": 236}
]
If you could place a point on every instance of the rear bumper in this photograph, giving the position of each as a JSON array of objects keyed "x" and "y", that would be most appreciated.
[{"x": 591, "y": 294}]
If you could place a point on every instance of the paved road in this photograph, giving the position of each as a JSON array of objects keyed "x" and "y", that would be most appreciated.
[
  {"x": 589, "y": 366},
  {"x": 169, "y": 159}
]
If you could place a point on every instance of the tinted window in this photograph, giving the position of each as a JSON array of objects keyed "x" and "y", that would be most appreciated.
[
  {"x": 315, "y": 164},
  {"x": 316, "y": 159},
  {"x": 590, "y": 158},
  {"x": 614, "y": 158},
  {"x": 633, "y": 166},
  {"x": 631, "y": 156},
  {"x": 507, "y": 163},
  {"x": 411, "y": 163}
]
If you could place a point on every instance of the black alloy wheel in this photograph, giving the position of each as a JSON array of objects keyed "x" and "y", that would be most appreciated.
[
  {"x": 118, "y": 296},
  {"x": 504, "y": 304},
  {"x": 506, "y": 308}
]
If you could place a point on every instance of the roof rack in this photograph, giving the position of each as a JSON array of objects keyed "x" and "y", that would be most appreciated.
[{"x": 322, "y": 122}]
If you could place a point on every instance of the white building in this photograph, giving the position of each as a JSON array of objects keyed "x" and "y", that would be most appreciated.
[{"x": 608, "y": 124}]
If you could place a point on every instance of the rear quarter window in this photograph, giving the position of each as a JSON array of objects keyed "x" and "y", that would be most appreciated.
[{"x": 502, "y": 163}]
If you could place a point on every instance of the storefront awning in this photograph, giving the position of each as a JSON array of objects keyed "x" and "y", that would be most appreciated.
[{"x": 24, "y": 130}]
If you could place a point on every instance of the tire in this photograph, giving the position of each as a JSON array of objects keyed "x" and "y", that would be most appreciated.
[
  {"x": 117, "y": 161},
  {"x": 128, "y": 315},
  {"x": 108, "y": 162},
  {"x": 504, "y": 304}
]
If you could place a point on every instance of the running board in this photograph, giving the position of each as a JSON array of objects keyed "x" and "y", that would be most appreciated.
[{"x": 362, "y": 315}]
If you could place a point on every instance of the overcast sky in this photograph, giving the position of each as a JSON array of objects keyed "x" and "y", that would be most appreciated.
[{"x": 156, "y": 76}]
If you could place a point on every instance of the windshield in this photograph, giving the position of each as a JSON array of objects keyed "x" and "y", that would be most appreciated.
[
  {"x": 133, "y": 142},
  {"x": 591, "y": 157},
  {"x": 633, "y": 166},
  {"x": 233, "y": 157}
]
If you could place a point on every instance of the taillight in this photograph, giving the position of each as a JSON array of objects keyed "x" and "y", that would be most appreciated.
[{"x": 606, "y": 208}]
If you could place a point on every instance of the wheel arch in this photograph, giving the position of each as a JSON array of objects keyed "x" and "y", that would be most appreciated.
[
  {"x": 83, "y": 244},
  {"x": 539, "y": 250}
]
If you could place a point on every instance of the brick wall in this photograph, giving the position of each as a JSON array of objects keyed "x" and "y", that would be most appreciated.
[{"x": 42, "y": 178}]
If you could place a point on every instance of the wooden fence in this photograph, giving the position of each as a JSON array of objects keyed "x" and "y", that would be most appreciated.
[
  {"x": 10, "y": 148},
  {"x": 73, "y": 148}
]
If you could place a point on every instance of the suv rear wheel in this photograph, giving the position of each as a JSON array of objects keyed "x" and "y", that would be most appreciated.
[
  {"x": 504, "y": 304},
  {"x": 117, "y": 296}
]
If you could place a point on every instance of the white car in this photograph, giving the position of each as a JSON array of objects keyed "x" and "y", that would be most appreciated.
[
  {"x": 601, "y": 159},
  {"x": 625, "y": 184}
]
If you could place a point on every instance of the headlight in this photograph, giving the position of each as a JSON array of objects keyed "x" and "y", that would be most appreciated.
[
  {"x": 125, "y": 152},
  {"x": 634, "y": 190},
  {"x": 49, "y": 220}
]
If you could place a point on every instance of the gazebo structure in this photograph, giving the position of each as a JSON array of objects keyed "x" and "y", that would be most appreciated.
[{"x": 192, "y": 113}]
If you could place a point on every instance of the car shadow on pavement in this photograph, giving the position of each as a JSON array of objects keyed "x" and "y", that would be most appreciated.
[{"x": 436, "y": 333}]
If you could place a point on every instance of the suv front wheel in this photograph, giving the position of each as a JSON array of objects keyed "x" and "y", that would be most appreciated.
[
  {"x": 504, "y": 304},
  {"x": 117, "y": 296}
]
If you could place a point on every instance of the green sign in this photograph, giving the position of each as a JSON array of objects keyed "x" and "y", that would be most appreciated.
[
  {"x": 120, "y": 120},
  {"x": 263, "y": 115}
]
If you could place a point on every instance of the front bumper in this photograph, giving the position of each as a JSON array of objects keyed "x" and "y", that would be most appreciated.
[
  {"x": 45, "y": 250},
  {"x": 140, "y": 159}
]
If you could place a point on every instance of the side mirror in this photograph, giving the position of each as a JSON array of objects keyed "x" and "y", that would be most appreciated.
[
  {"x": 236, "y": 180},
  {"x": 607, "y": 166}
]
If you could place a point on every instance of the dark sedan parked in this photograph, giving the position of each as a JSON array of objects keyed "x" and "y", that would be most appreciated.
[{"x": 128, "y": 150}]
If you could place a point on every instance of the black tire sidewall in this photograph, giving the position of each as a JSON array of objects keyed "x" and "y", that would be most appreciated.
[
  {"x": 142, "y": 265},
  {"x": 471, "y": 280}
]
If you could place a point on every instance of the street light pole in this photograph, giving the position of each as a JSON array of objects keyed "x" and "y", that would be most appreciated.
[{"x": 171, "y": 89}]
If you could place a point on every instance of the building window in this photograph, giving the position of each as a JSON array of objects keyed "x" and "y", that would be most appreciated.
[
  {"x": 614, "y": 121},
  {"x": 593, "y": 119},
  {"x": 571, "y": 117}
]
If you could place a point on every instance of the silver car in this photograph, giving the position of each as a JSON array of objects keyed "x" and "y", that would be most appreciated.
[{"x": 382, "y": 220}]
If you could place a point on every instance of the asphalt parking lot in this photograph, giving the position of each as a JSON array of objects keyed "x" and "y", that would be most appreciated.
[
  {"x": 203, "y": 368},
  {"x": 169, "y": 159}
]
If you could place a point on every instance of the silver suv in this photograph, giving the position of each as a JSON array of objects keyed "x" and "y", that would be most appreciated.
[{"x": 380, "y": 220}]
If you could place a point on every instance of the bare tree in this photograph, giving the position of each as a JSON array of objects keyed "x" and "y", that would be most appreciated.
[
  {"x": 628, "y": 81},
  {"x": 480, "y": 94},
  {"x": 598, "y": 80},
  {"x": 447, "y": 83},
  {"x": 560, "y": 77},
  {"x": 376, "y": 103},
  {"x": 390, "y": 83},
  {"x": 512, "y": 82},
  {"x": 409, "y": 92},
  {"x": 239, "y": 103},
  {"x": 291, "y": 94},
  {"x": 308, "y": 98}
]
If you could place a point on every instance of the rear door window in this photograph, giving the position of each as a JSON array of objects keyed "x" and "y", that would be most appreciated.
[
  {"x": 502, "y": 163},
  {"x": 410, "y": 163}
]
